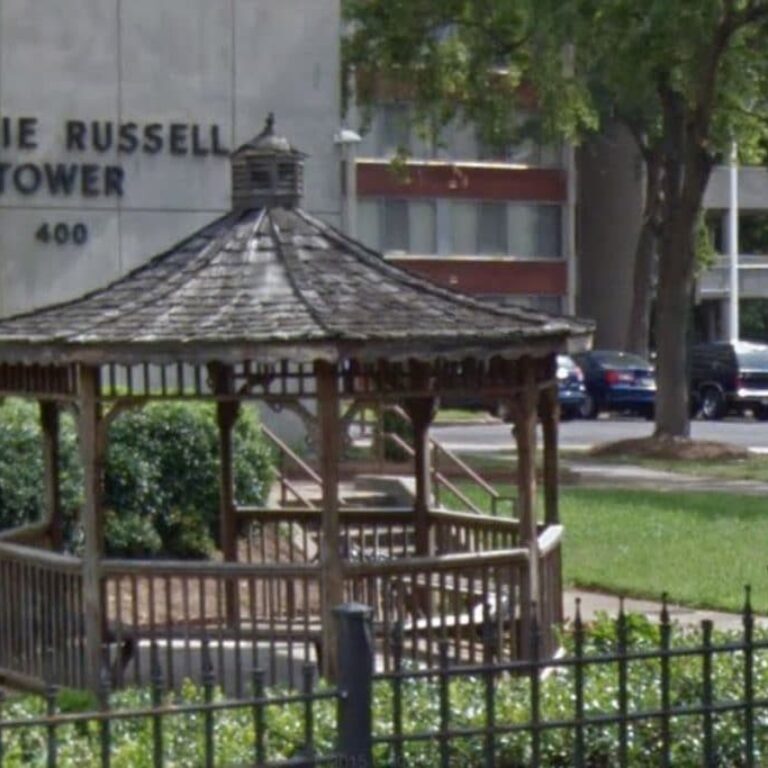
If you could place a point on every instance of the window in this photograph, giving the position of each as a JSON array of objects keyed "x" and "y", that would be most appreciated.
[
  {"x": 535, "y": 231},
  {"x": 403, "y": 226},
  {"x": 422, "y": 227},
  {"x": 491, "y": 238},
  {"x": 368, "y": 223},
  {"x": 395, "y": 230},
  {"x": 495, "y": 229},
  {"x": 542, "y": 303},
  {"x": 463, "y": 228}
]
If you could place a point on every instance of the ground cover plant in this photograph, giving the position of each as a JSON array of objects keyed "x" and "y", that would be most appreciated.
[{"x": 184, "y": 734}]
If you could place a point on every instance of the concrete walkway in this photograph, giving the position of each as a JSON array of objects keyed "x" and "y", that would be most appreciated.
[
  {"x": 593, "y": 603},
  {"x": 608, "y": 475}
]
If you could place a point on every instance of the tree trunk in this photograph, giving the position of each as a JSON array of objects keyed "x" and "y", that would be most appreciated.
[
  {"x": 638, "y": 331},
  {"x": 686, "y": 169},
  {"x": 673, "y": 294},
  {"x": 682, "y": 203}
]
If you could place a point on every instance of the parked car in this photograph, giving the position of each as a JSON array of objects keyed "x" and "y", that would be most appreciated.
[
  {"x": 617, "y": 381},
  {"x": 571, "y": 391},
  {"x": 729, "y": 377}
]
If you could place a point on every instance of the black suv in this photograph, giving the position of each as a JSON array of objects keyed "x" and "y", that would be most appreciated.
[{"x": 729, "y": 377}]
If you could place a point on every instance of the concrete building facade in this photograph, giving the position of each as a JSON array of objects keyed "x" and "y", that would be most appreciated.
[
  {"x": 713, "y": 287},
  {"x": 117, "y": 118},
  {"x": 497, "y": 223}
]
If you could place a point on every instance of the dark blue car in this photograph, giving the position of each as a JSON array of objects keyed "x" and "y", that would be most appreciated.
[{"x": 618, "y": 382}]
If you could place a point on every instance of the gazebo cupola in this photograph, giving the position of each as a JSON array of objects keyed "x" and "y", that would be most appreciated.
[{"x": 267, "y": 172}]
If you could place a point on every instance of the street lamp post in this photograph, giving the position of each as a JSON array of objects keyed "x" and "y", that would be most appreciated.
[{"x": 347, "y": 141}]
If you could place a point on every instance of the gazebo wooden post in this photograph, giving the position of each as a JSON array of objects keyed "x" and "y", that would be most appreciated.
[
  {"x": 332, "y": 586},
  {"x": 421, "y": 411},
  {"x": 227, "y": 412},
  {"x": 49, "y": 422},
  {"x": 91, "y": 450},
  {"x": 549, "y": 412},
  {"x": 525, "y": 417}
]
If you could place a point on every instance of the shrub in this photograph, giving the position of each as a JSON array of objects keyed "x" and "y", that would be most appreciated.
[
  {"x": 284, "y": 724},
  {"x": 21, "y": 465},
  {"x": 162, "y": 466},
  {"x": 161, "y": 476}
]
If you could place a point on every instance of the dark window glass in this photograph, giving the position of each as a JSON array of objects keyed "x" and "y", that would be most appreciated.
[
  {"x": 621, "y": 360},
  {"x": 395, "y": 233},
  {"x": 492, "y": 229}
]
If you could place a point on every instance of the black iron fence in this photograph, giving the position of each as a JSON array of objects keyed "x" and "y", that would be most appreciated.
[{"x": 622, "y": 692}]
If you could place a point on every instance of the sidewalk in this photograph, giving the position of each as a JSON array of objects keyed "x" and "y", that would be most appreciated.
[
  {"x": 608, "y": 475},
  {"x": 593, "y": 603}
]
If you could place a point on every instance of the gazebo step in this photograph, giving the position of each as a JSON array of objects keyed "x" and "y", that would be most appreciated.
[{"x": 350, "y": 495}]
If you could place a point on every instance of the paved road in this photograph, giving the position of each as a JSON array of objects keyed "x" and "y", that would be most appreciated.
[{"x": 582, "y": 434}]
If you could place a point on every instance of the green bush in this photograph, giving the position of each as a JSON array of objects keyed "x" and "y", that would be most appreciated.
[
  {"x": 21, "y": 465},
  {"x": 234, "y": 729},
  {"x": 162, "y": 465},
  {"x": 161, "y": 476}
]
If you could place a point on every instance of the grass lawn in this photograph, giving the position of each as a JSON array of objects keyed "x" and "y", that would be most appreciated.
[
  {"x": 700, "y": 548},
  {"x": 459, "y": 415}
]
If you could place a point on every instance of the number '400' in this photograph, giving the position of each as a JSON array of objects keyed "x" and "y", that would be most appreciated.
[{"x": 62, "y": 233}]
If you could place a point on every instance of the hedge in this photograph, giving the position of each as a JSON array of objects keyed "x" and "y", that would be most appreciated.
[
  {"x": 184, "y": 734},
  {"x": 161, "y": 483}
]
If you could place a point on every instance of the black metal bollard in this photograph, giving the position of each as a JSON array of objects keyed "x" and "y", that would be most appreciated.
[{"x": 355, "y": 638}]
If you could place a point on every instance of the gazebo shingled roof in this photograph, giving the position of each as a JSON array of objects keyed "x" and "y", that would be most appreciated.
[
  {"x": 269, "y": 278},
  {"x": 265, "y": 284}
]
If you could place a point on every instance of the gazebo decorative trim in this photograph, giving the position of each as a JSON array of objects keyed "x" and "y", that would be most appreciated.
[{"x": 269, "y": 303}]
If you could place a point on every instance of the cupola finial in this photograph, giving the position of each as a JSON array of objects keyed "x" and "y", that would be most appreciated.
[{"x": 267, "y": 171}]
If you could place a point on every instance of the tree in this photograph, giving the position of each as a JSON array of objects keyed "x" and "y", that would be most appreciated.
[{"x": 688, "y": 77}]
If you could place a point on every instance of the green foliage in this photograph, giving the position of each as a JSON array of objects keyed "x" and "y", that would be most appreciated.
[
  {"x": 754, "y": 319},
  {"x": 21, "y": 465},
  {"x": 685, "y": 78},
  {"x": 161, "y": 481},
  {"x": 183, "y": 735},
  {"x": 706, "y": 255}
]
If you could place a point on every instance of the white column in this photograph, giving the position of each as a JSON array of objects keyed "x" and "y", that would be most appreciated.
[{"x": 733, "y": 245}]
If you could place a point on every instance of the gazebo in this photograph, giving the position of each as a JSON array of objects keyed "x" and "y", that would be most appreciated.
[{"x": 267, "y": 303}]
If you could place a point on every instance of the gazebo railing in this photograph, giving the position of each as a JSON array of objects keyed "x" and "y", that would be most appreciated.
[
  {"x": 467, "y": 600},
  {"x": 288, "y": 536},
  {"x": 268, "y": 614},
  {"x": 41, "y": 626},
  {"x": 367, "y": 534},
  {"x": 468, "y": 532},
  {"x": 550, "y": 598},
  {"x": 252, "y": 615}
]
